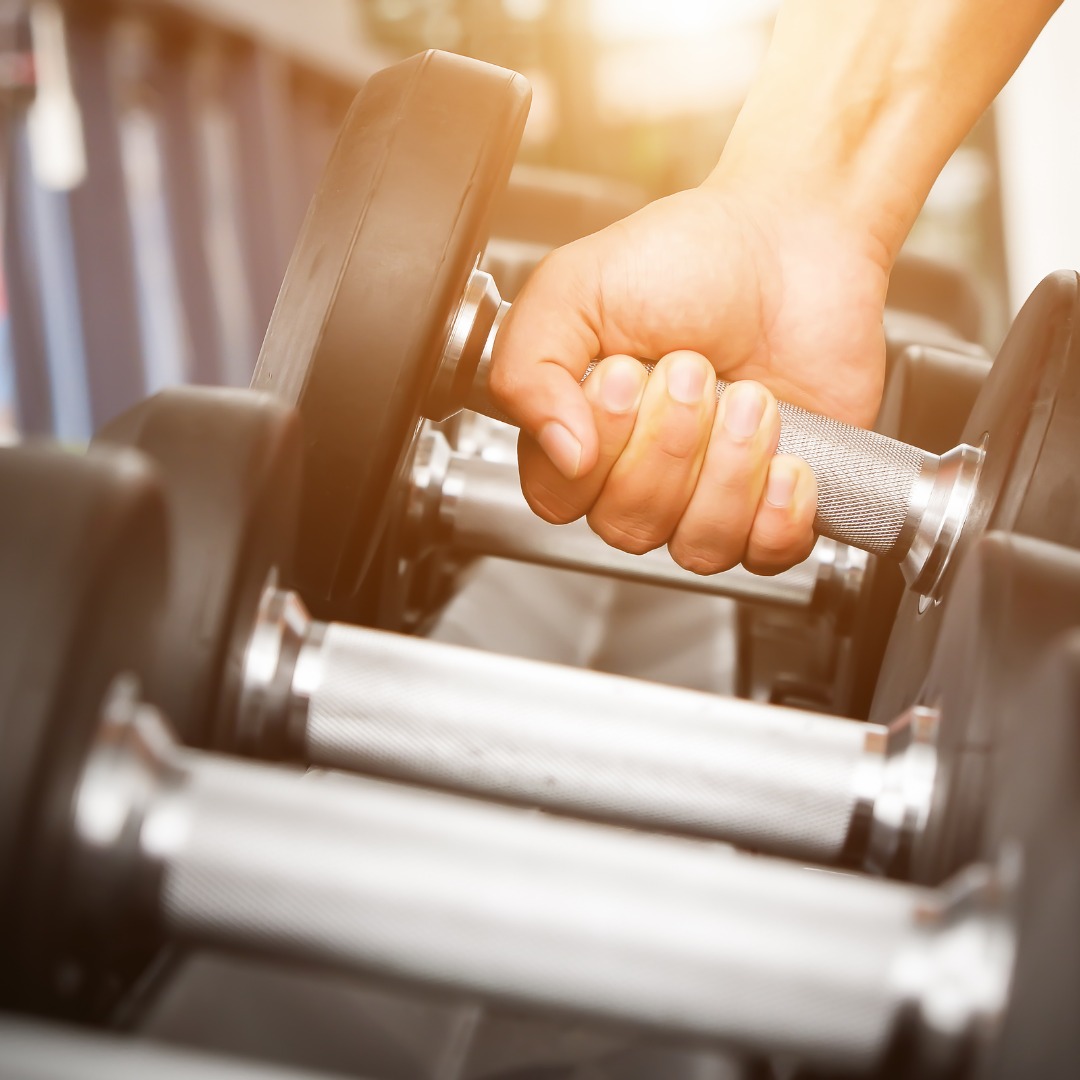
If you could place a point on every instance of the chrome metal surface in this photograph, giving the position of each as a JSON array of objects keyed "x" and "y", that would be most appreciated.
[
  {"x": 683, "y": 936},
  {"x": 584, "y": 743},
  {"x": 957, "y": 970},
  {"x": 841, "y": 573},
  {"x": 129, "y": 814},
  {"x": 478, "y": 398},
  {"x": 422, "y": 528},
  {"x": 938, "y": 527},
  {"x": 482, "y": 511},
  {"x": 778, "y": 780},
  {"x": 47, "y": 1050},
  {"x": 466, "y": 346},
  {"x": 867, "y": 783},
  {"x": 267, "y": 722},
  {"x": 903, "y": 804}
]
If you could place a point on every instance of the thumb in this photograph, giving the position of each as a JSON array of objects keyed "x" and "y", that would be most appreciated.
[{"x": 546, "y": 342}]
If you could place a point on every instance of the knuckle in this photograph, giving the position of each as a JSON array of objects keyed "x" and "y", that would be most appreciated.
[
  {"x": 558, "y": 508},
  {"x": 775, "y": 547},
  {"x": 704, "y": 561},
  {"x": 635, "y": 537},
  {"x": 679, "y": 444}
]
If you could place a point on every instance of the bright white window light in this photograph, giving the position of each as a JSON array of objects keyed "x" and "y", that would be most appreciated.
[{"x": 615, "y": 20}]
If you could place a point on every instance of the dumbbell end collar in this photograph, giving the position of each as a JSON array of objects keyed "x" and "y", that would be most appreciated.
[
  {"x": 939, "y": 508},
  {"x": 892, "y": 816},
  {"x": 279, "y": 662}
]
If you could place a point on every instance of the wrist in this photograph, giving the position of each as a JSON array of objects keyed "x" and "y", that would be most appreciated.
[
  {"x": 859, "y": 104},
  {"x": 874, "y": 208}
]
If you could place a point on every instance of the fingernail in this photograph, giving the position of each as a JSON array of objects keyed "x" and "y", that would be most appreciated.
[
  {"x": 686, "y": 377},
  {"x": 620, "y": 385},
  {"x": 744, "y": 407},
  {"x": 561, "y": 447},
  {"x": 780, "y": 486}
]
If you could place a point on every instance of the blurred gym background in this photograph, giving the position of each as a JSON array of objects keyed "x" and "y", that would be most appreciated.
[{"x": 159, "y": 156}]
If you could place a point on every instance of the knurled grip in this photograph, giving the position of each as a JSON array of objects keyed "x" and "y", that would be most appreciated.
[
  {"x": 865, "y": 480},
  {"x": 586, "y": 743},
  {"x": 528, "y": 908}
]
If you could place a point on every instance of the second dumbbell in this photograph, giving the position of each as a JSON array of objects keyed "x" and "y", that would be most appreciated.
[{"x": 240, "y": 666}]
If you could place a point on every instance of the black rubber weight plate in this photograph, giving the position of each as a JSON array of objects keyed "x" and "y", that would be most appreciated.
[
  {"x": 229, "y": 461},
  {"x": 393, "y": 232},
  {"x": 1039, "y": 812},
  {"x": 1014, "y": 597},
  {"x": 82, "y": 573},
  {"x": 929, "y": 395},
  {"x": 1029, "y": 412}
]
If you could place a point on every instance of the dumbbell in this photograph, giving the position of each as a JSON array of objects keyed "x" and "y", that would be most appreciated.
[
  {"x": 382, "y": 319},
  {"x": 459, "y": 504},
  {"x": 116, "y": 839},
  {"x": 239, "y": 666},
  {"x": 466, "y": 504}
]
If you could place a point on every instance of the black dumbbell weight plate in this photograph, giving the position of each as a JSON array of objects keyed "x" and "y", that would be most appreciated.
[
  {"x": 82, "y": 573},
  {"x": 929, "y": 394},
  {"x": 230, "y": 462},
  {"x": 1036, "y": 816},
  {"x": 392, "y": 234},
  {"x": 1013, "y": 598},
  {"x": 1028, "y": 415}
]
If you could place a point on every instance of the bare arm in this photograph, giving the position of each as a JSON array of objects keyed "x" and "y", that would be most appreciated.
[
  {"x": 773, "y": 273},
  {"x": 859, "y": 104}
]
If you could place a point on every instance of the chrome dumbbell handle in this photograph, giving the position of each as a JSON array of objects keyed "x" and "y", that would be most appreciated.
[
  {"x": 677, "y": 935},
  {"x": 778, "y": 780},
  {"x": 474, "y": 505},
  {"x": 874, "y": 493}
]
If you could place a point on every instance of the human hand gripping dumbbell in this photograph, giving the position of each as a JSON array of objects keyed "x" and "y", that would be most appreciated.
[
  {"x": 383, "y": 319},
  {"x": 118, "y": 840},
  {"x": 434, "y": 330}
]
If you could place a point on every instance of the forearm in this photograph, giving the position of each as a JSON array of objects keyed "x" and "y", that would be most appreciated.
[{"x": 860, "y": 102}]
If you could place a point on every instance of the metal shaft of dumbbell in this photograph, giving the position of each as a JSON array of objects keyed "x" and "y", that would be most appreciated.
[
  {"x": 874, "y": 493},
  {"x": 772, "y": 779},
  {"x": 679, "y": 935},
  {"x": 473, "y": 505}
]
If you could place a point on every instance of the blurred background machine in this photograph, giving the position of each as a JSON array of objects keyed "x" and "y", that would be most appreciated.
[{"x": 160, "y": 156}]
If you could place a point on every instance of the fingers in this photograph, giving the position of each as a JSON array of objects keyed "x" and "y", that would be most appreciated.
[
  {"x": 748, "y": 506},
  {"x": 543, "y": 347},
  {"x": 654, "y": 477},
  {"x": 613, "y": 392},
  {"x": 783, "y": 530},
  {"x": 673, "y": 466}
]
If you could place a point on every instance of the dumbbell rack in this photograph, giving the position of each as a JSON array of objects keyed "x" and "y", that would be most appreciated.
[
  {"x": 183, "y": 823},
  {"x": 202, "y": 142}
]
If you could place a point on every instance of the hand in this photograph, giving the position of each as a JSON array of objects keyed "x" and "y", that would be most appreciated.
[{"x": 779, "y": 298}]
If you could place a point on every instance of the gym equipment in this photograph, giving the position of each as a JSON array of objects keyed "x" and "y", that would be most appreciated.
[
  {"x": 1028, "y": 416},
  {"x": 466, "y": 504},
  {"x": 35, "y": 1050},
  {"x": 382, "y": 319},
  {"x": 815, "y": 660},
  {"x": 929, "y": 393},
  {"x": 461, "y": 504},
  {"x": 82, "y": 575},
  {"x": 240, "y": 666},
  {"x": 125, "y": 839}
]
